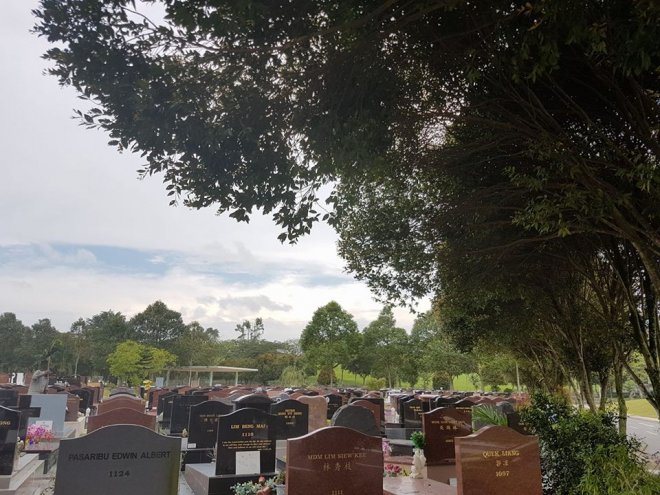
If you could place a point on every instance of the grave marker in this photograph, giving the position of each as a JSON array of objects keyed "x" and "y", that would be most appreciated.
[
  {"x": 246, "y": 443},
  {"x": 335, "y": 461},
  {"x": 53, "y": 408},
  {"x": 441, "y": 426},
  {"x": 357, "y": 418},
  {"x": 203, "y": 423},
  {"x": 9, "y": 425},
  {"x": 498, "y": 461},
  {"x": 318, "y": 411},
  {"x": 121, "y": 416},
  {"x": 122, "y": 459},
  {"x": 181, "y": 411},
  {"x": 120, "y": 402},
  {"x": 293, "y": 418}
]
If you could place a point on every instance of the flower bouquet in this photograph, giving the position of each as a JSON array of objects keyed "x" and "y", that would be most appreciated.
[{"x": 37, "y": 434}]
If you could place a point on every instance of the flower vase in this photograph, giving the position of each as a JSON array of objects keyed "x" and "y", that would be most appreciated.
[
  {"x": 419, "y": 461},
  {"x": 280, "y": 489}
]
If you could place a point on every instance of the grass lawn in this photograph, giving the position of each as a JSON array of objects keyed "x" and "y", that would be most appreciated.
[{"x": 641, "y": 407}]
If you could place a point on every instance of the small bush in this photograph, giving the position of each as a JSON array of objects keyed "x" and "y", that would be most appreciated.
[
  {"x": 570, "y": 440},
  {"x": 375, "y": 383},
  {"x": 326, "y": 376},
  {"x": 614, "y": 471}
]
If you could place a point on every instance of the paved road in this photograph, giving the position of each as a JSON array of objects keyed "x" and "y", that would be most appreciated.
[{"x": 646, "y": 430}]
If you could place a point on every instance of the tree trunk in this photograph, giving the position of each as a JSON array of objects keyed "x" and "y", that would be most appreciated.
[
  {"x": 623, "y": 408},
  {"x": 604, "y": 379}
]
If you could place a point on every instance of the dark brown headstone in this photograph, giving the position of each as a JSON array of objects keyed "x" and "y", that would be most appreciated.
[
  {"x": 72, "y": 406},
  {"x": 121, "y": 416},
  {"x": 120, "y": 403},
  {"x": 498, "y": 461},
  {"x": 339, "y": 460},
  {"x": 440, "y": 427}
]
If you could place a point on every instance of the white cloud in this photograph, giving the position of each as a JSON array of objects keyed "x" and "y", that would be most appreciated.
[{"x": 66, "y": 192}]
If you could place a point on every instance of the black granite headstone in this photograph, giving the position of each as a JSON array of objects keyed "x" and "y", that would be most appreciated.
[
  {"x": 357, "y": 418},
  {"x": 161, "y": 401},
  {"x": 246, "y": 442},
  {"x": 168, "y": 405},
  {"x": 120, "y": 459},
  {"x": 293, "y": 418},
  {"x": 9, "y": 424},
  {"x": 8, "y": 397},
  {"x": 203, "y": 423},
  {"x": 181, "y": 411},
  {"x": 86, "y": 399},
  {"x": 412, "y": 411},
  {"x": 335, "y": 401},
  {"x": 255, "y": 401}
]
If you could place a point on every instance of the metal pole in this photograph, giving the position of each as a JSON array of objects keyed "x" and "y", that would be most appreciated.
[
  {"x": 236, "y": 379},
  {"x": 517, "y": 377}
]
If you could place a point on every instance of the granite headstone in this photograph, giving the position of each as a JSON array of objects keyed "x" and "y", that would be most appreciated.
[{"x": 122, "y": 459}]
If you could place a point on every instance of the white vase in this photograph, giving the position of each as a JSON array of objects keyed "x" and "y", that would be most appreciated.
[{"x": 419, "y": 461}]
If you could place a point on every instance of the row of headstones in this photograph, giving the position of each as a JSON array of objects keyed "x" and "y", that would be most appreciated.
[
  {"x": 133, "y": 460},
  {"x": 199, "y": 416},
  {"x": 175, "y": 408},
  {"x": 410, "y": 408}
]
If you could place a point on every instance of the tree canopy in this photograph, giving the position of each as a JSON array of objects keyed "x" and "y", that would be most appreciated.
[{"x": 500, "y": 156}]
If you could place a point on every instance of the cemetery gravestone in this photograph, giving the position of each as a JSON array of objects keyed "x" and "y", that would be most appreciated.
[
  {"x": 370, "y": 406},
  {"x": 441, "y": 426},
  {"x": 122, "y": 391},
  {"x": 120, "y": 402},
  {"x": 53, "y": 409},
  {"x": 181, "y": 411},
  {"x": 72, "y": 406},
  {"x": 465, "y": 405},
  {"x": 9, "y": 425},
  {"x": 357, "y": 418},
  {"x": 335, "y": 461},
  {"x": 400, "y": 405},
  {"x": 412, "y": 411},
  {"x": 375, "y": 400},
  {"x": 121, "y": 416},
  {"x": 160, "y": 407},
  {"x": 255, "y": 401},
  {"x": 203, "y": 423},
  {"x": 168, "y": 403},
  {"x": 498, "y": 461},
  {"x": 246, "y": 443},
  {"x": 122, "y": 459},
  {"x": 8, "y": 397},
  {"x": 445, "y": 402},
  {"x": 86, "y": 399},
  {"x": 318, "y": 411},
  {"x": 335, "y": 401},
  {"x": 293, "y": 418}
]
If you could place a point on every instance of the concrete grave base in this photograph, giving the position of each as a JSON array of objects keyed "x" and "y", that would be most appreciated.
[
  {"x": 202, "y": 480},
  {"x": 409, "y": 486},
  {"x": 27, "y": 467},
  {"x": 442, "y": 472}
]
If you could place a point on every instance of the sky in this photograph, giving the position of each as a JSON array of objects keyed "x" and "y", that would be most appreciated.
[{"x": 81, "y": 234}]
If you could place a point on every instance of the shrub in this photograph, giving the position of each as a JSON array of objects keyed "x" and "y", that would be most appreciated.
[
  {"x": 614, "y": 471},
  {"x": 570, "y": 440},
  {"x": 326, "y": 375},
  {"x": 375, "y": 383}
]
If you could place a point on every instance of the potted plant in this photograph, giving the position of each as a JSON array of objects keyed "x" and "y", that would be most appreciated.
[{"x": 419, "y": 459}]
